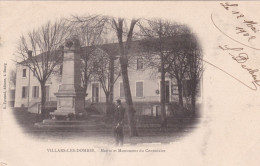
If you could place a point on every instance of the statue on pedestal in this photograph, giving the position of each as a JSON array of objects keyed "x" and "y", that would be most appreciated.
[{"x": 70, "y": 96}]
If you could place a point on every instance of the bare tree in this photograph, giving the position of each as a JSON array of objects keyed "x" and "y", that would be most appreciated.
[
  {"x": 106, "y": 71},
  {"x": 178, "y": 66},
  {"x": 172, "y": 48},
  {"x": 159, "y": 39},
  {"x": 124, "y": 48},
  {"x": 90, "y": 30},
  {"x": 40, "y": 50},
  {"x": 195, "y": 70}
]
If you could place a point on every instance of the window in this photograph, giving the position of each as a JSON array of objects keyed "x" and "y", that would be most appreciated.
[
  {"x": 24, "y": 72},
  {"x": 95, "y": 92},
  {"x": 24, "y": 91},
  {"x": 175, "y": 90},
  {"x": 167, "y": 91},
  {"x": 140, "y": 64},
  {"x": 139, "y": 89},
  {"x": 35, "y": 91},
  {"x": 122, "y": 92},
  {"x": 186, "y": 88},
  {"x": 95, "y": 66},
  {"x": 61, "y": 67}
]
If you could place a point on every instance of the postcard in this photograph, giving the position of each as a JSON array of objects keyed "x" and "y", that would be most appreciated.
[{"x": 129, "y": 83}]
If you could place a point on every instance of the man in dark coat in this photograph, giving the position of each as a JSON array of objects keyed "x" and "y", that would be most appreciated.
[{"x": 119, "y": 118}]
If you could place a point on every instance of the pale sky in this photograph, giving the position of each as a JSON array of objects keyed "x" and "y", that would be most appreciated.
[{"x": 20, "y": 17}]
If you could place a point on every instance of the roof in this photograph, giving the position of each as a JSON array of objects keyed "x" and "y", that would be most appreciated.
[
  {"x": 54, "y": 55},
  {"x": 136, "y": 46},
  {"x": 168, "y": 43},
  {"x": 113, "y": 48}
]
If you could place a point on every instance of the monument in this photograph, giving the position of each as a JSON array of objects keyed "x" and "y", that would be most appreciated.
[
  {"x": 70, "y": 96},
  {"x": 70, "y": 111}
]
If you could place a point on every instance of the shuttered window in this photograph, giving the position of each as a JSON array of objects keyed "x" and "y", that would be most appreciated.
[
  {"x": 175, "y": 90},
  {"x": 24, "y": 91},
  {"x": 35, "y": 91},
  {"x": 139, "y": 89},
  {"x": 140, "y": 64},
  {"x": 24, "y": 72},
  {"x": 186, "y": 88},
  {"x": 122, "y": 92}
]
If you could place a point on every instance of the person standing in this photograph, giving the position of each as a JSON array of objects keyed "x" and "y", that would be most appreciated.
[{"x": 119, "y": 118}]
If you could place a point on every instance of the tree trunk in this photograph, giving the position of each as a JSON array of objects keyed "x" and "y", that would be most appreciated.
[
  {"x": 109, "y": 105},
  {"x": 85, "y": 91},
  {"x": 180, "y": 93},
  {"x": 85, "y": 84},
  {"x": 162, "y": 99},
  {"x": 128, "y": 98},
  {"x": 43, "y": 99},
  {"x": 193, "y": 99},
  {"x": 112, "y": 78},
  {"x": 124, "y": 64}
]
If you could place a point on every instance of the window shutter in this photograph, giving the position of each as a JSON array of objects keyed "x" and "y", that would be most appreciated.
[
  {"x": 24, "y": 91},
  {"x": 33, "y": 91},
  {"x": 37, "y": 91},
  {"x": 139, "y": 89}
]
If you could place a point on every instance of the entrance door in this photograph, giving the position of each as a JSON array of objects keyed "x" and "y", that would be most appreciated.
[{"x": 95, "y": 92}]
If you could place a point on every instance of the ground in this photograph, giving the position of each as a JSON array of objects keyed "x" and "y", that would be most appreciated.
[{"x": 149, "y": 130}]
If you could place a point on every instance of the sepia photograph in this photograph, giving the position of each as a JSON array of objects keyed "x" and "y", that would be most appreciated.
[
  {"x": 115, "y": 83},
  {"x": 143, "y": 80}
]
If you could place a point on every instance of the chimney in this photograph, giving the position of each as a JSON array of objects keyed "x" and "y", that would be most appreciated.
[{"x": 29, "y": 53}]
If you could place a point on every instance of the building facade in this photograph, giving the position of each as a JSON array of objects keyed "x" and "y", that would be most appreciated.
[{"x": 144, "y": 85}]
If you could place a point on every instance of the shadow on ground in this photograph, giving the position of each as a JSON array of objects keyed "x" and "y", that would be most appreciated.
[{"x": 149, "y": 130}]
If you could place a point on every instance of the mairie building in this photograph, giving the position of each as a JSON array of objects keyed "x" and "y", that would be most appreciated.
[{"x": 144, "y": 85}]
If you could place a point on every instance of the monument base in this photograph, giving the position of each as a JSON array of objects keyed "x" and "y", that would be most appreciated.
[
  {"x": 69, "y": 104},
  {"x": 91, "y": 123}
]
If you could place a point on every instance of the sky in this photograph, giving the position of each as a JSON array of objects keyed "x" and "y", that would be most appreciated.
[{"x": 20, "y": 17}]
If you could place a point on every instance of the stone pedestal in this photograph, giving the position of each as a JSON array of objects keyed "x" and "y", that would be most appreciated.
[{"x": 70, "y": 96}]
